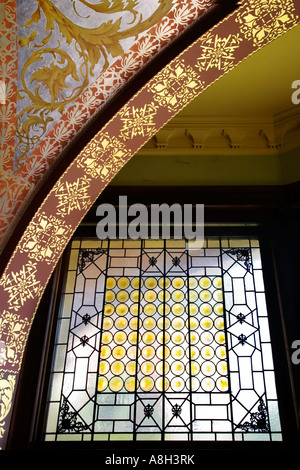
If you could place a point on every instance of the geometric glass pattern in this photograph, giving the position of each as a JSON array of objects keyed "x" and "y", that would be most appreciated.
[{"x": 158, "y": 340}]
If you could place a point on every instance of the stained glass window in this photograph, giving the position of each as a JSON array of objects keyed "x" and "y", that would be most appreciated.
[{"x": 157, "y": 340}]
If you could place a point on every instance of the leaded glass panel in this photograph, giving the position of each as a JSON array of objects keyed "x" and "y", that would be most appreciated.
[{"x": 160, "y": 341}]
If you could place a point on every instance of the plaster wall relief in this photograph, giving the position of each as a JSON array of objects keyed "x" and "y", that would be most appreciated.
[
  {"x": 69, "y": 59},
  {"x": 211, "y": 56}
]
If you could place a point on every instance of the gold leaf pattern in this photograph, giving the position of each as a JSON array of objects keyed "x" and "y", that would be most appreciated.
[
  {"x": 262, "y": 21},
  {"x": 72, "y": 196},
  {"x": 218, "y": 52},
  {"x": 7, "y": 386},
  {"x": 45, "y": 238},
  {"x": 104, "y": 159},
  {"x": 22, "y": 285},
  {"x": 13, "y": 333},
  {"x": 138, "y": 121},
  {"x": 175, "y": 87}
]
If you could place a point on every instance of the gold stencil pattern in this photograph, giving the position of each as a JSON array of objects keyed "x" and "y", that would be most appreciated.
[
  {"x": 138, "y": 121},
  {"x": 72, "y": 196},
  {"x": 13, "y": 333},
  {"x": 104, "y": 159},
  {"x": 218, "y": 52},
  {"x": 7, "y": 386},
  {"x": 45, "y": 238},
  {"x": 176, "y": 86},
  {"x": 22, "y": 285},
  {"x": 263, "y": 21}
]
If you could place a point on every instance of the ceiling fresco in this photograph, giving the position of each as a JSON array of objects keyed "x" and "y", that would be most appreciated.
[{"x": 62, "y": 61}]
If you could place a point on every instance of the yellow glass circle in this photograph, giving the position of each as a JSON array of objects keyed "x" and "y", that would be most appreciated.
[
  {"x": 220, "y": 337},
  {"x": 135, "y": 296},
  {"x": 122, "y": 296},
  {"x": 116, "y": 384},
  {"x": 148, "y": 352},
  {"x": 206, "y": 323},
  {"x": 131, "y": 384},
  {"x": 135, "y": 323},
  {"x": 177, "y": 282},
  {"x": 150, "y": 296},
  {"x": 162, "y": 367},
  {"x": 121, "y": 323},
  {"x": 193, "y": 384},
  {"x": 149, "y": 323},
  {"x": 123, "y": 282},
  {"x": 161, "y": 384},
  {"x": 177, "y": 384},
  {"x": 147, "y": 368},
  {"x": 177, "y": 352},
  {"x": 205, "y": 295},
  {"x": 222, "y": 367},
  {"x": 208, "y": 384},
  {"x": 206, "y": 337},
  {"x": 106, "y": 337},
  {"x": 150, "y": 282},
  {"x": 105, "y": 352},
  {"x": 192, "y": 309},
  {"x": 192, "y": 352},
  {"x": 132, "y": 352},
  {"x": 119, "y": 352},
  {"x": 218, "y": 295},
  {"x": 192, "y": 282},
  {"x": 208, "y": 368},
  {"x": 163, "y": 337},
  {"x": 133, "y": 337},
  {"x": 221, "y": 352},
  {"x": 103, "y": 367},
  {"x": 192, "y": 323},
  {"x": 136, "y": 282},
  {"x": 177, "y": 295},
  {"x": 109, "y": 310},
  {"x": 164, "y": 282},
  {"x": 192, "y": 295},
  {"x": 218, "y": 309},
  {"x": 163, "y": 309},
  {"x": 219, "y": 323},
  {"x": 205, "y": 282},
  {"x": 194, "y": 368},
  {"x": 117, "y": 367},
  {"x": 164, "y": 296},
  {"x": 177, "y": 367},
  {"x": 122, "y": 309},
  {"x": 163, "y": 323},
  {"x": 205, "y": 309},
  {"x": 177, "y": 337},
  {"x": 177, "y": 323},
  {"x": 131, "y": 367},
  {"x": 177, "y": 309},
  {"x": 149, "y": 309},
  {"x": 102, "y": 384},
  {"x": 192, "y": 337},
  {"x": 207, "y": 352},
  {"x": 147, "y": 384},
  {"x": 107, "y": 323},
  {"x": 120, "y": 337},
  {"x": 217, "y": 282},
  {"x": 134, "y": 309},
  {"x": 110, "y": 283},
  {"x": 163, "y": 352},
  {"x": 148, "y": 337},
  {"x": 222, "y": 384},
  {"x": 109, "y": 296}
]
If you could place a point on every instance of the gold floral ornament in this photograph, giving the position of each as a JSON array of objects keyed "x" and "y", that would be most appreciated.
[
  {"x": 176, "y": 86},
  {"x": 264, "y": 20},
  {"x": 13, "y": 334},
  {"x": 104, "y": 159},
  {"x": 7, "y": 386},
  {"x": 218, "y": 52},
  {"x": 72, "y": 196},
  {"x": 52, "y": 76},
  {"x": 138, "y": 121},
  {"x": 21, "y": 285},
  {"x": 45, "y": 238}
]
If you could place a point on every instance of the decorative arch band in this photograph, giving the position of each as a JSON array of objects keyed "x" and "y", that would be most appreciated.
[{"x": 250, "y": 27}]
